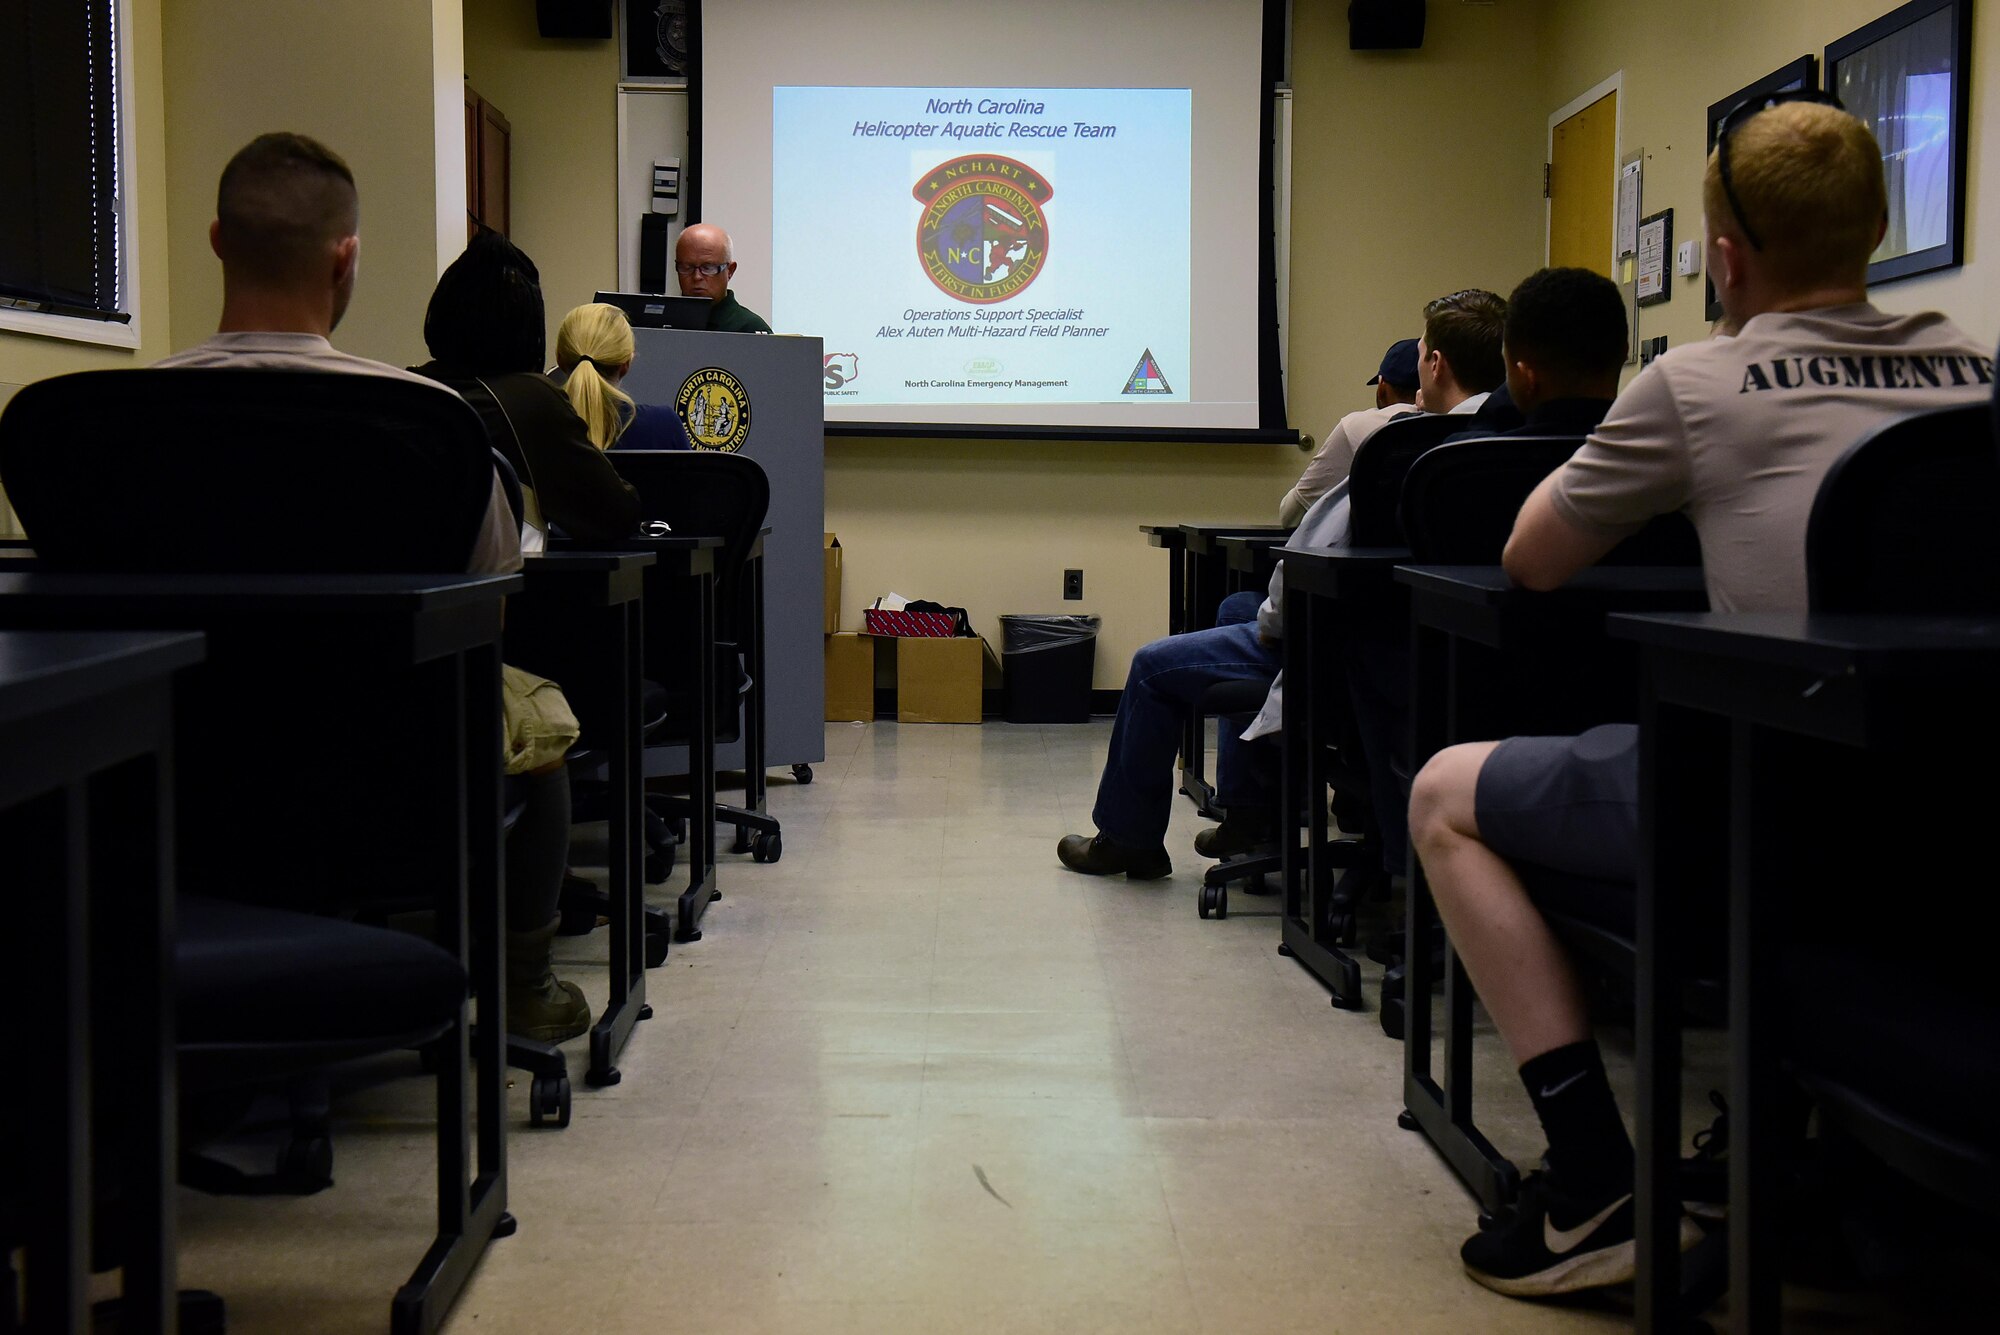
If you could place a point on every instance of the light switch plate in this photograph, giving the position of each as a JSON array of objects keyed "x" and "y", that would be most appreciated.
[{"x": 1687, "y": 259}]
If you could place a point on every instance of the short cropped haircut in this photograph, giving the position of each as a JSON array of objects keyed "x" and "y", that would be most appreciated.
[
  {"x": 1467, "y": 327},
  {"x": 1809, "y": 177},
  {"x": 1570, "y": 323},
  {"x": 485, "y": 315},
  {"x": 283, "y": 200}
]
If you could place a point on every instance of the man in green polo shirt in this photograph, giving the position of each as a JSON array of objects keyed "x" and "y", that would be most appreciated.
[{"x": 705, "y": 261}]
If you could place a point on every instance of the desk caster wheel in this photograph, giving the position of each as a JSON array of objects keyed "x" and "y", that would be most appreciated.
[
  {"x": 1214, "y": 901},
  {"x": 1408, "y": 1121},
  {"x": 767, "y": 847},
  {"x": 656, "y": 949},
  {"x": 743, "y": 841},
  {"x": 549, "y": 1101},
  {"x": 1285, "y": 950},
  {"x": 803, "y": 773},
  {"x": 1392, "y": 1019}
]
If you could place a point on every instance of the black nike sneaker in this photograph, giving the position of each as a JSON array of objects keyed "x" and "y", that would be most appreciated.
[{"x": 1551, "y": 1242}]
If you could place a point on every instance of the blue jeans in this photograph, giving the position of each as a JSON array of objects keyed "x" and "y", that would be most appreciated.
[{"x": 1166, "y": 679}]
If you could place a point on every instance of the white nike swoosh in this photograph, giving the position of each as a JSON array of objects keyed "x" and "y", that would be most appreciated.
[
  {"x": 1549, "y": 1092},
  {"x": 1561, "y": 1240}
]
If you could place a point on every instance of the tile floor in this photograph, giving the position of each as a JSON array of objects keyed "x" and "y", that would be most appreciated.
[{"x": 918, "y": 1078}]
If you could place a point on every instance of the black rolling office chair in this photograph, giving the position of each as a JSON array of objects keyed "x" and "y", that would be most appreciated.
[
  {"x": 1374, "y": 487},
  {"x": 1375, "y": 483},
  {"x": 1904, "y": 521},
  {"x": 170, "y": 472},
  {"x": 1907, "y": 522},
  {"x": 703, "y": 493},
  {"x": 1459, "y": 504}
]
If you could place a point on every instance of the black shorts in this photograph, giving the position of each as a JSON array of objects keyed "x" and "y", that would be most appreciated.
[{"x": 1568, "y": 804}]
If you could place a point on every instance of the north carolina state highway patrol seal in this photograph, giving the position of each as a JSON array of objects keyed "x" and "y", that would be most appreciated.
[
  {"x": 715, "y": 408},
  {"x": 982, "y": 237}
]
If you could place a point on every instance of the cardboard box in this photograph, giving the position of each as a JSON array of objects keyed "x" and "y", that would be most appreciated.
[
  {"x": 939, "y": 681},
  {"x": 831, "y": 546},
  {"x": 850, "y": 678}
]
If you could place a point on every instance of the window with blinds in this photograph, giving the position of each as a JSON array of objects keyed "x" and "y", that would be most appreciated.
[{"x": 60, "y": 251}]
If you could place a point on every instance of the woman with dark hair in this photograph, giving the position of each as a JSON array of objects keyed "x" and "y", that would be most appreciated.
[
  {"x": 485, "y": 335},
  {"x": 484, "y": 331}
]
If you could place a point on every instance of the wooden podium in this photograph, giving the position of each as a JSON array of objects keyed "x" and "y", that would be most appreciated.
[{"x": 760, "y": 395}]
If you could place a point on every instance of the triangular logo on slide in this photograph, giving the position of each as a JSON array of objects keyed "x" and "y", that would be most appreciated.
[{"x": 1146, "y": 377}]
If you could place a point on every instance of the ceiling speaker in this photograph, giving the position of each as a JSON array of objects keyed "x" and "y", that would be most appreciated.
[{"x": 1385, "y": 25}]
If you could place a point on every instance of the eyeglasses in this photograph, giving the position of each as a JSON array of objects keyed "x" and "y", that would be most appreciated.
[
  {"x": 1743, "y": 111},
  {"x": 705, "y": 270}
]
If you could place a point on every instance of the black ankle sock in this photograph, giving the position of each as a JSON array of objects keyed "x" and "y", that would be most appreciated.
[{"x": 1589, "y": 1153}]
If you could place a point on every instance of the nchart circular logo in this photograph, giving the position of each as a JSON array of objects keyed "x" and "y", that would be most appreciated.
[
  {"x": 982, "y": 237},
  {"x": 715, "y": 408}
]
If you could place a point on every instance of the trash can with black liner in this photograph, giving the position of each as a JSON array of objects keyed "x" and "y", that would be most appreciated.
[{"x": 1048, "y": 662}]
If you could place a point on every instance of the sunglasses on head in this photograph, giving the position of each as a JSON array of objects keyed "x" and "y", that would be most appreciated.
[{"x": 1742, "y": 112}]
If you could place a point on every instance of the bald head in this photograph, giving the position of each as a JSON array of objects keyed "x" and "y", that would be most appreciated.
[{"x": 704, "y": 245}]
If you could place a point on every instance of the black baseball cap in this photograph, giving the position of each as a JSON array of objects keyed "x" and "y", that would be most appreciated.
[{"x": 1399, "y": 364}]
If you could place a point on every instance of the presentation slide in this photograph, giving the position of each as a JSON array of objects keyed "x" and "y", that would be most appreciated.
[{"x": 986, "y": 245}]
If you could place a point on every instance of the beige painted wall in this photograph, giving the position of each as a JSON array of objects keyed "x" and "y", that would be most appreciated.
[
  {"x": 1679, "y": 58},
  {"x": 1413, "y": 174},
  {"x": 1389, "y": 179},
  {"x": 561, "y": 98},
  {"x": 371, "y": 79}
]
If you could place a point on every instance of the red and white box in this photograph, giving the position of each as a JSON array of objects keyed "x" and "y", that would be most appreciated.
[{"x": 920, "y": 625}]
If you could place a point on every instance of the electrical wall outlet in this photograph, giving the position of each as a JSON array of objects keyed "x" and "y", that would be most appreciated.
[{"x": 1072, "y": 585}]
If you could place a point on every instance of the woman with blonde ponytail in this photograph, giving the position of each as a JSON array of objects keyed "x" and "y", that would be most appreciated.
[{"x": 594, "y": 349}]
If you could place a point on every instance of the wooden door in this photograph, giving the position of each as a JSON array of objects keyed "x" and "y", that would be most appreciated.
[
  {"x": 1583, "y": 172},
  {"x": 471, "y": 163},
  {"x": 495, "y": 174}
]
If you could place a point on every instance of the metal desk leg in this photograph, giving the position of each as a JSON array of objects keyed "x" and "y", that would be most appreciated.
[
  {"x": 627, "y": 900},
  {"x": 1443, "y": 1112},
  {"x": 472, "y": 1170},
  {"x": 1763, "y": 821},
  {"x": 701, "y": 890}
]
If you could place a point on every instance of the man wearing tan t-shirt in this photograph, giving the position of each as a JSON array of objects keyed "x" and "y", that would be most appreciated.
[
  {"x": 287, "y": 232},
  {"x": 1739, "y": 433}
]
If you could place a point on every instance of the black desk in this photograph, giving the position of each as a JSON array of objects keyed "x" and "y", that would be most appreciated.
[
  {"x": 1170, "y": 537},
  {"x": 579, "y": 621},
  {"x": 688, "y": 562},
  {"x": 309, "y": 632},
  {"x": 1491, "y": 660},
  {"x": 1207, "y": 580},
  {"x": 1323, "y": 591},
  {"x": 1732, "y": 694},
  {"x": 86, "y": 822}
]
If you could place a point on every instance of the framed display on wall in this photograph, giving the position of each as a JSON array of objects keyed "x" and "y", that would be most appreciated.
[
  {"x": 656, "y": 41},
  {"x": 1800, "y": 73},
  {"x": 1908, "y": 75}
]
